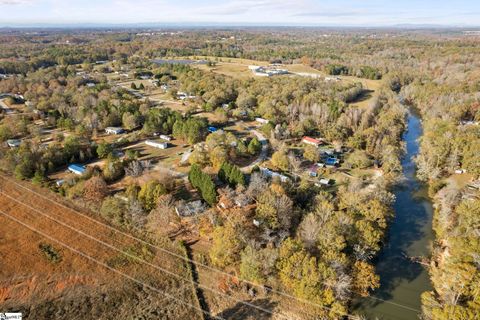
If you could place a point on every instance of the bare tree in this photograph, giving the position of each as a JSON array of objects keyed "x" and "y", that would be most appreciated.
[
  {"x": 160, "y": 217},
  {"x": 295, "y": 163},
  {"x": 309, "y": 229},
  {"x": 137, "y": 214},
  {"x": 257, "y": 185},
  {"x": 136, "y": 168}
]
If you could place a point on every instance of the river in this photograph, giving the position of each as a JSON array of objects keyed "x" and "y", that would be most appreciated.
[{"x": 410, "y": 233}]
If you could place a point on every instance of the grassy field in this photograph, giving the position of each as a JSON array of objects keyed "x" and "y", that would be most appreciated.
[{"x": 238, "y": 68}]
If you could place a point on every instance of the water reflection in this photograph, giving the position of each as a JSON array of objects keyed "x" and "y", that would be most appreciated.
[{"x": 402, "y": 281}]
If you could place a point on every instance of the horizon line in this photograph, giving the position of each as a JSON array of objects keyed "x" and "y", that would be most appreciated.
[{"x": 143, "y": 25}]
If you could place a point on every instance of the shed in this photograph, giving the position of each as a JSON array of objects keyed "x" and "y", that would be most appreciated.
[
  {"x": 165, "y": 137},
  {"x": 212, "y": 129}
]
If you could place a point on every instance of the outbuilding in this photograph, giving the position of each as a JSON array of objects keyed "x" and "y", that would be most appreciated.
[{"x": 165, "y": 137}]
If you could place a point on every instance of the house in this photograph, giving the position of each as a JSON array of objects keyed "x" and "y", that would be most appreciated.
[
  {"x": 312, "y": 141},
  {"x": 190, "y": 209},
  {"x": 77, "y": 169},
  {"x": 212, "y": 129},
  {"x": 114, "y": 130},
  {"x": 60, "y": 182},
  {"x": 271, "y": 174},
  {"x": 331, "y": 161},
  {"x": 14, "y": 143},
  {"x": 165, "y": 137},
  {"x": 182, "y": 96},
  {"x": 262, "y": 121},
  {"x": 325, "y": 182},
  {"x": 91, "y": 84},
  {"x": 155, "y": 144}
]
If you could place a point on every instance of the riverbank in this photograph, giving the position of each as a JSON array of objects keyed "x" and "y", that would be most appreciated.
[{"x": 402, "y": 281}]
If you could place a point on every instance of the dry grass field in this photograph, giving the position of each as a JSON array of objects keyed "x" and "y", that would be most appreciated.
[{"x": 61, "y": 263}]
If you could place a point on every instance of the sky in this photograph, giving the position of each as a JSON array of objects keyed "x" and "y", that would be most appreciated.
[{"x": 242, "y": 12}]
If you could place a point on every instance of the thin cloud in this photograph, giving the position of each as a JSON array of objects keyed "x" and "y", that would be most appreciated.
[
  {"x": 237, "y": 7},
  {"x": 327, "y": 13},
  {"x": 15, "y": 2}
]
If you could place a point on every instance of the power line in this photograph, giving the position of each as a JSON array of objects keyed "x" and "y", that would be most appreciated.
[
  {"x": 144, "y": 261},
  {"x": 108, "y": 267},
  {"x": 194, "y": 262},
  {"x": 162, "y": 249}
]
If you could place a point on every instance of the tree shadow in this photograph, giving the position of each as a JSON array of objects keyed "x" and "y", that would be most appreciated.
[{"x": 245, "y": 310}]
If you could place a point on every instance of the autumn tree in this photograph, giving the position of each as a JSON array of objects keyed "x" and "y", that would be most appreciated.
[
  {"x": 149, "y": 194},
  {"x": 95, "y": 189},
  {"x": 226, "y": 246}
]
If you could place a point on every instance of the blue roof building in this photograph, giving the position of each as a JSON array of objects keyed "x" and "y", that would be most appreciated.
[
  {"x": 212, "y": 129},
  {"x": 77, "y": 169}
]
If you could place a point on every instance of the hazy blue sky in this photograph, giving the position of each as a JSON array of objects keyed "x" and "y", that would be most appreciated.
[{"x": 301, "y": 12}]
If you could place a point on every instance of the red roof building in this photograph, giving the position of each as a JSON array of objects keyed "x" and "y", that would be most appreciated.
[{"x": 312, "y": 141}]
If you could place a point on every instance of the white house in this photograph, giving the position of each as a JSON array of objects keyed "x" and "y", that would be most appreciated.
[
  {"x": 261, "y": 120},
  {"x": 271, "y": 174},
  {"x": 325, "y": 182},
  {"x": 114, "y": 130},
  {"x": 155, "y": 144}
]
